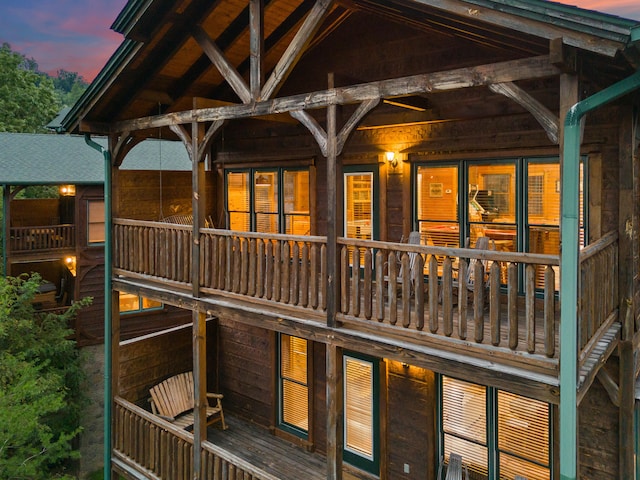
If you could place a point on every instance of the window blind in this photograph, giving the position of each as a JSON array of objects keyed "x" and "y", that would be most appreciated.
[{"x": 359, "y": 418}]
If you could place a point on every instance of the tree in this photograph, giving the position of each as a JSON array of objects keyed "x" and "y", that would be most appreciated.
[
  {"x": 40, "y": 378},
  {"x": 27, "y": 98},
  {"x": 69, "y": 87}
]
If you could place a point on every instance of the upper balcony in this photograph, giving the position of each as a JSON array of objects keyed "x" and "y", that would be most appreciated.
[
  {"x": 414, "y": 297},
  {"x": 38, "y": 238}
]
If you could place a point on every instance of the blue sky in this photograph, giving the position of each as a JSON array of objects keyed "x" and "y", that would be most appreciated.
[{"x": 74, "y": 35}]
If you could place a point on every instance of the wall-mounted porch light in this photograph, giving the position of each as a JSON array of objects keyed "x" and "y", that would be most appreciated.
[
  {"x": 70, "y": 262},
  {"x": 391, "y": 158},
  {"x": 67, "y": 190}
]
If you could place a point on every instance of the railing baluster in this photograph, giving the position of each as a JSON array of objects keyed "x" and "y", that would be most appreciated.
[
  {"x": 433, "y": 294},
  {"x": 512, "y": 304},
  {"x": 367, "y": 279},
  {"x": 530, "y": 317},
  {"x": 419, "y": 292},
  {"x": 355, "y": 282},
  {"x": 379, "y": 285},
  {"x": 494, "y": 302},
  {"x": 446, "y": 294}
]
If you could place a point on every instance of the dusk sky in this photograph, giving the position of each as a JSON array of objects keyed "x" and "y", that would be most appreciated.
[{"x": 74, "y": 35}]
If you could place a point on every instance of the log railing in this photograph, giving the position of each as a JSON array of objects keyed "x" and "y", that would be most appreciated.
[
  {"x": 417, "y": 287},
  {"x": 154, "y": 448},
  {"x": 284, "y": 269},
  {"x": 46, "y": 237},
  {"x": 404, "y": 287},
  {"x": 599, "y": 299},
  {"x": 153, "y": 249},
  {"x": 148, "y": 444}
]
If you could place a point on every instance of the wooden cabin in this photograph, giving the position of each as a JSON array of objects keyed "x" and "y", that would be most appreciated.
[
  {"x": 369, "y": 239},
  {"x": 62, "y": 237}
]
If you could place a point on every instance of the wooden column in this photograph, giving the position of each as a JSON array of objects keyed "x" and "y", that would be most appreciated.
[
  {"x": 256, "y": 21},
  {"x": 199, "y": 388},
  {"x": 335, "y": 411},
  {"x": 334, "y": 172},
  {"x": 197, "y": 186},
  {"x": 628, "y": 280}
]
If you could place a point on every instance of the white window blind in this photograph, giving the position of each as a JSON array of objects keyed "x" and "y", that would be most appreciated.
[
  {"x": 293, "y": 374},
  {"x": 358, "y": 407},
  {"x": 523, "y": 436}
]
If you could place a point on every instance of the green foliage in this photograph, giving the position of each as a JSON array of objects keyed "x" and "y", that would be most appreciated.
[
  {"x": 69, "y": 87},
  {"x": 40, "y": 378},
  {"x": 27, "y": 98},
  {"x": 39, "y": 191}
]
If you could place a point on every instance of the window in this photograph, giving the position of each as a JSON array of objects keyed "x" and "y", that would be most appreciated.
[
  {"x": 456, "y": 202},
  {"x": 361, "y": 412},
  {"x": 95, "y": 219},
  {"x": 517, "y": 442},
  {"x": 269, "y": 201},
  {"x": 130, "y": 303},
  {"x": 294, "y": 388}
]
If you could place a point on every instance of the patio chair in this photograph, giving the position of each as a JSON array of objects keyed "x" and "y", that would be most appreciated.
[
  {"x": 414, "y": 239},
  {"x": 482, "y": 243},
  {"x": 454, "y": 468}
]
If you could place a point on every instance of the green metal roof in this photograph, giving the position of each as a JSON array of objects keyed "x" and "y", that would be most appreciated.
[{"x": 48, "y": 159}]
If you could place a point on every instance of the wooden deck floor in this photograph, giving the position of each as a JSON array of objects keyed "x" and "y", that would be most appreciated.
[{"x": 274, "y": 455}]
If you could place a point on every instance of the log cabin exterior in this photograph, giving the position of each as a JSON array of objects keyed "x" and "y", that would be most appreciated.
[
  {"x": 62, "y": 237},
  {"x": 321, "y": 135}
]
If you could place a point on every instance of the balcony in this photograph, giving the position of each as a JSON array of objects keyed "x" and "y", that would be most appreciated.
[
  {"x": 512, "y": 320},
  {"x": 24, "y": 240}
]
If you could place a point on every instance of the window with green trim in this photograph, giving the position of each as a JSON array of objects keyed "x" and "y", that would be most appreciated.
[
  {"x": 498, "y": 434},
  {"x": 269, "y": 200},
  {"x": 131, "y": 303},
  {"x": 361, "y": 412},
  {"x": 293, "y": 378}
]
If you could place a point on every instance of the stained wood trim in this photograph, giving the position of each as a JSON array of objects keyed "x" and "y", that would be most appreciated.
[
  {"x": 295, "y": 49},
  {"x": 610, "y": 386},
  {"x": 314, "y": 128},
  {"x": 256, "y": 27},
  {"x": 226, "y": 69},
  {"x": 510, "y": 71},
  {"x": 542, "y": 114}
]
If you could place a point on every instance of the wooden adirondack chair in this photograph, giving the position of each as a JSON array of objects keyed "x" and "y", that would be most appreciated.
[
  {"x": 173, "y": 400},
  {"x": 454, "y": 468}
]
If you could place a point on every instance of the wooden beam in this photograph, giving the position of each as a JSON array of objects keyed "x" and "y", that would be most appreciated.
[
  {"x": 225, "y": 68},
  {"x": 545, "y": 117},
  {"x": 610, "y": 386},
  {"x": 530, "y": 68},
  {"x": 334, "y": 172},
  {"x": 314, "y": 128},
  {"x": 199, "y": 388},
  {"x": 256, "y": 27},
  {"x": 335, "y": 412},
  {"x": 362, "y": 110},
  {"x": 295, "y": 49},
  {"x": 563, "y": 56}
]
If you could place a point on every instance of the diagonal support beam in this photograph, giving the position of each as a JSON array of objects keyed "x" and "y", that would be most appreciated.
[
  {"x": 185, "y": 137},
  {"x": 610, "y": 386},
  {"x": 295, "y": 49},
  {"x": 364, "y": 108},
  {"x": 321, "y": 135},
  {"x": 225, "y": 68},
  {"x": 314, "y": 127},
  {"x": 542, "y": 114}
]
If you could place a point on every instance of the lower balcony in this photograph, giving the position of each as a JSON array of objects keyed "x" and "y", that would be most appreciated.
[
  {"x": 463, "y": 304},
  {"x": 146, "y": 446}
]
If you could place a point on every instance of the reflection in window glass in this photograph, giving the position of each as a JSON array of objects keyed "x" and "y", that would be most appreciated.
[
  {"x": 266, "y": 202},
  {"x": 296, "y": 202}
]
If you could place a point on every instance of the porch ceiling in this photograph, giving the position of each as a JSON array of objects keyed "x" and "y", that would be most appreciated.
[{"x": 161, "y": 67}]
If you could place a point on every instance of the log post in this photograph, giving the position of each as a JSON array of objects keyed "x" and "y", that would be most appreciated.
[{"x": 335, "y": 411}]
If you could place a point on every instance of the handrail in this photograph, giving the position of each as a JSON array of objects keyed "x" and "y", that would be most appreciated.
[{"x": 598, "y": 246}]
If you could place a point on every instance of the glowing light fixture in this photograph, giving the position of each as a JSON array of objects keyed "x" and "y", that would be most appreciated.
[
  {"x": 70, "y": 262},
  {"x": 391, "y": 158},
  {"x": 67, "y": 190}
]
